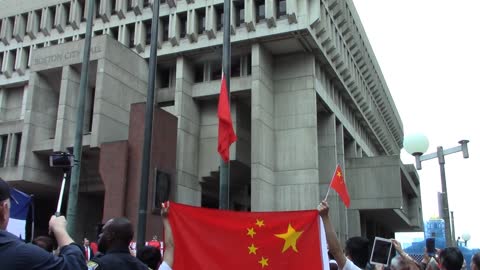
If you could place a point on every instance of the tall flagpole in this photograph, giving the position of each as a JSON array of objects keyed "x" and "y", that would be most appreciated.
[
  {"x": 147, "y": 136},
  {"x": 225, "y": 166},
  {"x": 77, "y": 147}
]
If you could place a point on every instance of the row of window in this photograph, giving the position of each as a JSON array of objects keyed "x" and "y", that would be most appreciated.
[
  {"x": 209, "y": 71},
  {"x": 71, "y": 14}
]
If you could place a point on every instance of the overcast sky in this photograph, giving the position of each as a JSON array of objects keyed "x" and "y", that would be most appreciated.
[{"x": 429, "y": 53}]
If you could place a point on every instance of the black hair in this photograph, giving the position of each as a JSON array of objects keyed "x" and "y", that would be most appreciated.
[
  {"x": 476, "y": 260},
  {"x": 451, "y": 258},
  {"x": 357, "y": 248},
  {"x": 149, "y": 256},
  {"x": 44, "y": 242}
]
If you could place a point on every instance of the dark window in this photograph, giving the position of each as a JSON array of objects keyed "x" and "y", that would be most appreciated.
[
  {"x": 131, "y": 34},
  {"x": 148, "y": 31},
  {"x": 165, "y": 28},
  {"x": 199, "y": 73},
  {"x": 97, "y": 9},
  {"x": 67, "y": 10},
  {"x": 98, "y": 33},
  {"x": 249, "y": 64},
  {"x": 216, "y": 70},
  {"x": 219, "y": 13},
  {"x": 239, "y": 13},
  {"x": 114, "y": 32},
  {"x": 129, "y": 5},
  {"x": 200, "y": 21},
  {"x": 146, "y": 3},
  {"x": 182, "y": 18},
  {"x": 281, "y": 8},
  {"x": 3, "y": 149},
  {"x": 18, "y": 142},
  {"x": 52, "y": 13},
  {"x": 165, "y": 78},
  {"x": 68, "y": 39},
  {"x": 235, "y": 66},
  {"x": 90, "y": 113},
  {"x": 260, "y": 9}
]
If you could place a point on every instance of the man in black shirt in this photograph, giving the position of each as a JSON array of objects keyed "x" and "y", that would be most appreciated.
[{"x": 113, "y": 244}]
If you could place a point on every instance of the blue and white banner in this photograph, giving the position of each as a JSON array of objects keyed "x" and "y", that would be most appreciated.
[{"x": 18, "y": 212}]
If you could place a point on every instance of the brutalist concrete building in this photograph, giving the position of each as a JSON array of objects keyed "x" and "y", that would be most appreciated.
[{"x": 307, "y": 94}]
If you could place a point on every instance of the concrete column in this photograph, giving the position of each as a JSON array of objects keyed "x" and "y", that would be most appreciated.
[
  {"x": 327, "y": 160},
  {"x": 39, "y": 127},
  {"x": 188, "y": 188},
  {"x": 67, "y": 109},
  {"x": 351, "y": 149},
  {"x": 355, "y": 226},
  {"x": 262, "y": 125},
  {"x": 296, "y": 142}
]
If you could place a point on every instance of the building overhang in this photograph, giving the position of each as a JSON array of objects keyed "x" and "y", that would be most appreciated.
[{"x": 384, "y": 188}]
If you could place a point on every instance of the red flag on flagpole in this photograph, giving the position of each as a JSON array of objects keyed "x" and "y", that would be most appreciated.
[
  {"x": 339, "y": 185},
  {"x": 218, "y": 239},
  {"x": 226, "y": 134}
]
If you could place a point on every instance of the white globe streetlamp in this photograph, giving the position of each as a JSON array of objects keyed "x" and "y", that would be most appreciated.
[{"x": 417, "y": 145}]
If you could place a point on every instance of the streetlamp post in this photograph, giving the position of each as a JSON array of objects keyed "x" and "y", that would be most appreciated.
[{"x": 417, "y": 145}]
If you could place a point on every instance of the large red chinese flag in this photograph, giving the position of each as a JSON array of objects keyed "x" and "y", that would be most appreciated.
[
  {"x": 338, "y": 184},
  {"x": 226, "y": 134},
  {"x": 213, "y": 239}
]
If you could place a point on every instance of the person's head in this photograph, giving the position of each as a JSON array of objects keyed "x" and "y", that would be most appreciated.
[
  {"x": 4, "y": 204},
  {"x": 44, "y": 242},
  {"x": 116, "y": 233},
  {"x": 149, "y": 256},
  {"x": 357, "y": 250},
  {"x": 399, "y": 263},
  {"x": 86, "y": 242},
  {"x": 450, "y": 258},
  {"x": 475, "y": 263}
]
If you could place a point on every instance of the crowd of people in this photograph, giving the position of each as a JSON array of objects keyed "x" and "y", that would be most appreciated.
[{"x": 114, "y": 250}]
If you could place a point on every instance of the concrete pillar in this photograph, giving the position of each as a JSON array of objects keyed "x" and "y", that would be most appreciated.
[
  {"x": 67, "y": 109},
  {"x": 188, "y": 188},
  {"x": 327, "y": 160},
  {"x": 355, "y": 226},
  {"x": 262, "y": 130},
  {"x": 296, "y": 141},
  {"x": 39, "y": 127}
]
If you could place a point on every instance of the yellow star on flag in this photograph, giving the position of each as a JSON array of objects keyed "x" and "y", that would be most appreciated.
[
  {"x": 263, "y": 262},
  {"x": 251, "y": 232},
  {"x": 252, "y": 249},
  {"x": 260, "y": 223},
  {"x": 339, "y": 174},
  {"x": 290, "y": 237}
]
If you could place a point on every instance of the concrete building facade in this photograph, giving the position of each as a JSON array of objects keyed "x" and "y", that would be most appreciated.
[{"x": 307, "y": 94}]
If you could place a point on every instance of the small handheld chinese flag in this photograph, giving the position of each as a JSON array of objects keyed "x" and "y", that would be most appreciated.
[
  {"x": 226, "y": 134},
  {"x": 339, "y": 185},
  {"x": 211, "y": 239}
]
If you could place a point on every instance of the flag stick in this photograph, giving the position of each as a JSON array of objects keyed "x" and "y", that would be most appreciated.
[
  {"x": 330, "y": 185},
  {"x": 225, "y": 166},
  {"x": 60, "y": 197},
  {"x": 147, "y": 136}
]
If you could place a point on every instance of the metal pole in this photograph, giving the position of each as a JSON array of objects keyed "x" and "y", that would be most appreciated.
[
  {"x": 446, "y": 211},
  {"x": 77, "y": 148},
  {"x": 225, "y": 166},
  {"x": 147, "y": 136},
  {"x": 454, "y": 238}
]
